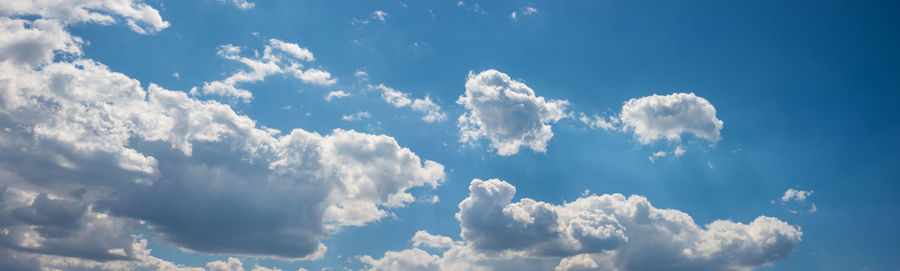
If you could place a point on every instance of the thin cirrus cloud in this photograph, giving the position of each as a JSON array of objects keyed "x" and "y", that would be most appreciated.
[
  {"x": 279, "y": 57},
  {"x": 193, "y": 173},
  {"x": 507, "y": 112},
  {"x": 594, "y": 232}
]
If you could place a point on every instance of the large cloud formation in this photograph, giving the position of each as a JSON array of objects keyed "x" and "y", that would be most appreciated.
[
  {"x": 507, "y": 112},
  {"x": 596, "y": 232},
  {"x": 669, "y": 116},
  {"x": 89, "y": 156}
]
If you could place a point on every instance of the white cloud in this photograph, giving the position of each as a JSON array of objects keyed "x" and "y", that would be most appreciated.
[
  {"x": 315, "y": 76},
  {"x": 657, "y": 155},
  {"x": 605, "y": 232},
  {"x": 599, "y": 122},
  {"x": 399, "y": 99},
  {"x": 278, "y": 57},
  {"x": 795, "y": 200},
  {"x": 507, "y": 112},
  {"x": 668, "y": 117},
  {"x": 679, "y": 151},
  {"x": 240, "y": 4},
  {"x": 33, "y": 43},
  {"x": 526, "y": 11},
  {"x": 392, "y": 96},
  {"x": 796, "y": 195},
  {"x": 293, "y": 50},
  {"x": 379, "y": 15},
  {"x": 338, "y": 94},
  {"x": 142, "y": 18},
  {"x": 357, "y": 116},
  {"x": 88, "y": 156},
  {"x": 423, "y": 238},
  {"x": 432, "y": 111},
  {"x": 361, "y": 75}
]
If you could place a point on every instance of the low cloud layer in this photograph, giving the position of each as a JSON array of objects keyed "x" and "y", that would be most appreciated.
[
  {"x": 595, "y": 232},
  {"x": 508, "y": 113}
]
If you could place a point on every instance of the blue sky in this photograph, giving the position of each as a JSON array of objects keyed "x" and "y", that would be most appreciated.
[{"x": 630, "y": 91}]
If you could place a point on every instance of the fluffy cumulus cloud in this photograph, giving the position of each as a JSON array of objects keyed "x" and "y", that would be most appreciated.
[
  {"x": 397, "y": 98},
  {"x": 278, "y": 57},
  {"x": 507, "y": 112},
  {"x": 89, "y": 156},
  {"x": 594, "y": 232},
  {"x": 669, "y": 117}
]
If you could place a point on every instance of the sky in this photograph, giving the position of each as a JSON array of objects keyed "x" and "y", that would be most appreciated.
[{"x": 449, "y": 135}]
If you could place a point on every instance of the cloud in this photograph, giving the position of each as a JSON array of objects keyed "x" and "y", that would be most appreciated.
[
  {"x": 423, "y": 238},
  {"x": 338, "y": 94},
  {"x": 507, "y": 112},
  {"x": 525, "y": 12},
  {"x": 795, "y": 200},
  {"x": 89, "y": 156},
  {"x": 605, "y": 232},
  {"x": 357, "y": 116},
  {"x": 657, "y": 155},
  {"x": 33, "y": 43},
  {"x": 379, "y": 15},
  {"x": 140, "y": 17},
  {"x": 599, "y": 122},
  {"x": 795, "y": 195},
  {"x": 240, "y": 4},
  {"x": 399, "y": 99},
  {"x": 668, "y": 117},
  {"x": 278, "y": 57}
]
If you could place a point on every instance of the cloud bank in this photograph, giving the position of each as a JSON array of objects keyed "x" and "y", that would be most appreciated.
[{"x": 595, "y": 232}]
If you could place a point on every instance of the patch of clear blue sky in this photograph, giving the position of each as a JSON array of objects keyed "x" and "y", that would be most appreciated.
[{"x": 807, "y": 90}]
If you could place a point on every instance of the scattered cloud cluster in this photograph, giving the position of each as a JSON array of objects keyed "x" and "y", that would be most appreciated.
[
  {"x": 278, "y": 57},
  {"x": 527, "y": 11},
  {"x": 507, "y": 112},
  {"x": 89, "y": 156},
  {"x": 400, "y": 99},
  {"x": 378, "y": 15},
  {"x": 605, "y": 232}
]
